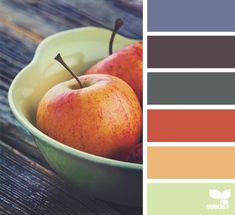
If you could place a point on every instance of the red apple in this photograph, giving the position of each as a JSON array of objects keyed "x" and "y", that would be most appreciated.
[
  {"x": 102, "y": 116},
  {"x": 126, "y": 64},
  {"x": 133, "y": 154}
]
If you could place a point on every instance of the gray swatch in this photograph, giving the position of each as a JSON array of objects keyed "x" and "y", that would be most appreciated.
[{"x": 191, "y": 88}]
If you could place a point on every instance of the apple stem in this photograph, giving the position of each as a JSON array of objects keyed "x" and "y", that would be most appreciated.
[
  {"x": 117, "y": 26},
  {"x": 61, "y": 61}
]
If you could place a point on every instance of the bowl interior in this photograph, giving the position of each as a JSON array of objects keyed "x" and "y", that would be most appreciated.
[{"x": 80, "y": 49}]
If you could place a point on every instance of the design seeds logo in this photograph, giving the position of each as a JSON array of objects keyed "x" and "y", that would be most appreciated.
[{"x": 222, "y": 197}]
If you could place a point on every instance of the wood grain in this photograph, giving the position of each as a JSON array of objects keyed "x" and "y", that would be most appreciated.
[
  {"x": 37, "y": 190},
  {"x": 16, "y": 51},
  {"x": 50, "y": 16}
]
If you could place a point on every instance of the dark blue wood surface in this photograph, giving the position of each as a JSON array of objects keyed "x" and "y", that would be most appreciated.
[{"x": 27, "y": 185}]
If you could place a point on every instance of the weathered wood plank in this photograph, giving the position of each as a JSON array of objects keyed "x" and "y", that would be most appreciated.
[
  {"x": 28, "y": 188},
  {"x": 16, "y": 52},
  {"x": 50, "y": 16},
  {"x": 32, "y": 35},
  {"x": 131, "y": 6}
]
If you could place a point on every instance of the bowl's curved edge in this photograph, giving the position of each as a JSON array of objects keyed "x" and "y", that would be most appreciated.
[
  {"x": 59, "y": 34},
  {"x": 40, "y": 135}
]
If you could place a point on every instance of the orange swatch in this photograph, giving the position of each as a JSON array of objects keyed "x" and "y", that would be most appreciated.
[
  {"x": 191, "y": 162},
  {"x": 191, "y": 125}
]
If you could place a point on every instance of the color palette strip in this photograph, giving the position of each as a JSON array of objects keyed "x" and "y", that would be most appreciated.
[
  {"x": 192, "y": 55},
  {"x": 191, "y": 125},
  {"x": 191, "y": 88},
  {"x": 191, "y": 162},
  {"x": 191, "y": 198},
  {"x": 191, "y": 51}
]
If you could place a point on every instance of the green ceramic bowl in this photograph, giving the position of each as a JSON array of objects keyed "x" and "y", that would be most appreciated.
[{"x": 107, "y": 179}]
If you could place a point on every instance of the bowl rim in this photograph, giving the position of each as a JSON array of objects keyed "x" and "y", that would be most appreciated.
[{"x": 48, "y": 140}]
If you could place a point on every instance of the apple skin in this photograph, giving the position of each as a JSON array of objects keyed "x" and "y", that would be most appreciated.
[
  {"x": 126, "y": 64},
  {"x": 102, "y": 118},
  {"x": 134, "y": 154}
]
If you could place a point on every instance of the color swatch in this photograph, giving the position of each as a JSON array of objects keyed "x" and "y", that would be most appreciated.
[
  {"x": 191, "y": 162},
  {"x": 191, "y": 198},
  {"x": 191, "y": 125}
]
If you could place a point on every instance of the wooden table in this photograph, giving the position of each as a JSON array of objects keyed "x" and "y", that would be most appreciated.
[{"x": 27, "y": 184}]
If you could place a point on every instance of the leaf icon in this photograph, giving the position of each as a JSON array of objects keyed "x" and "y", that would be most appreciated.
[
  {"x": 215, "y": 194},
  {"x": 226, "y": 194}
]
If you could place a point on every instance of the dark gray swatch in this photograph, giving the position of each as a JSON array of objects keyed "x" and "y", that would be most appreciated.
[{"x": 191, "y": 88}]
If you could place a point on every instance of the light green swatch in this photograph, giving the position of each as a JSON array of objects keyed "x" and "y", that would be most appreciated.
[{"x": 191, "y": 199}]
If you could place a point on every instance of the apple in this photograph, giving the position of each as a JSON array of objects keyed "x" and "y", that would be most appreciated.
[
  {"x": 133, "y": 154},
  {"x": 126, "y": 64},
  {"x": 99, "y": 114}
]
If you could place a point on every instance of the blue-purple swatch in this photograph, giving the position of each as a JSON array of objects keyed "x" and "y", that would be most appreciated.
[{"x": 191, "y": 15}]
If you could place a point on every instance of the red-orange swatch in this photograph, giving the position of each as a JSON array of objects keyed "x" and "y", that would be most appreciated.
[{"x": 191, "y": 125}]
